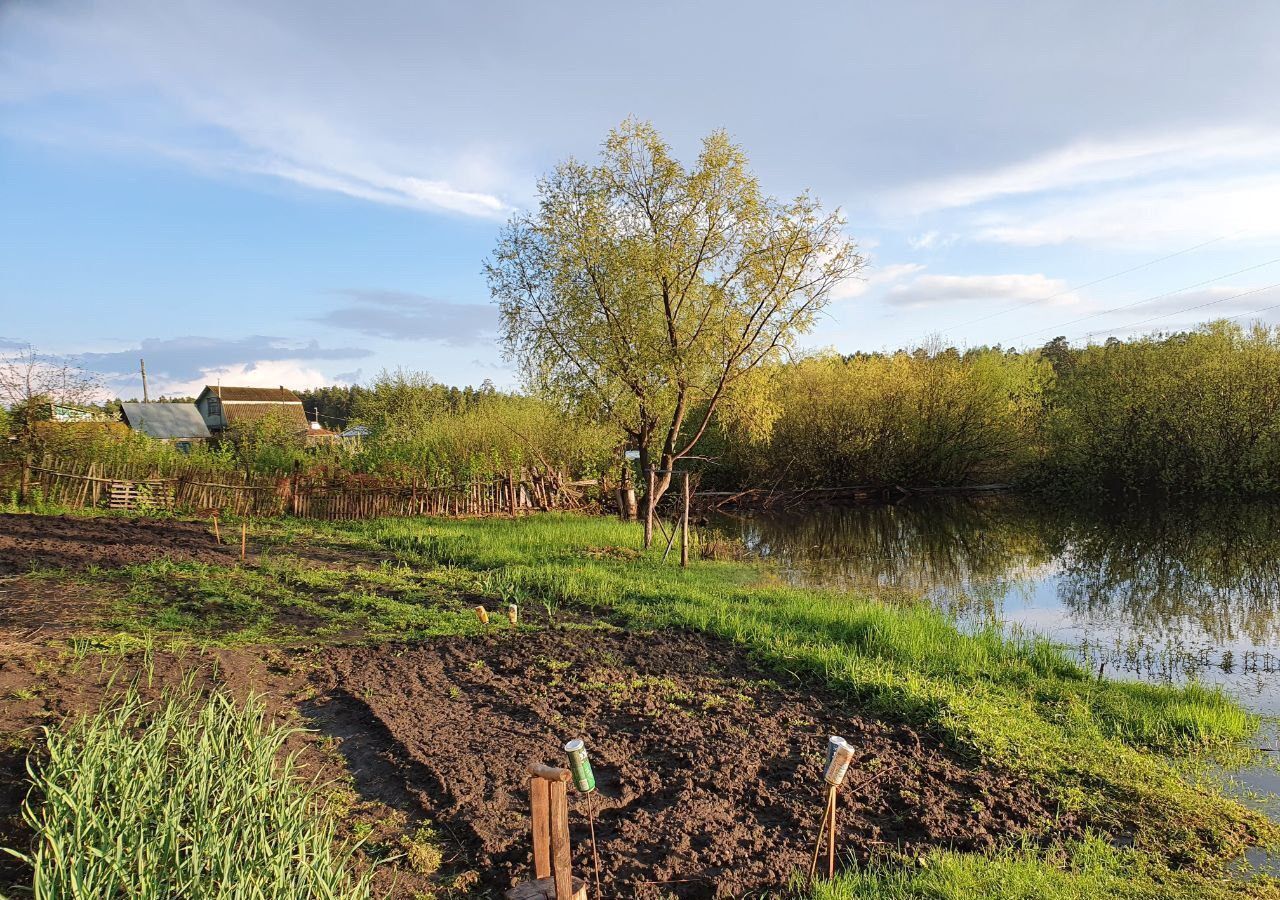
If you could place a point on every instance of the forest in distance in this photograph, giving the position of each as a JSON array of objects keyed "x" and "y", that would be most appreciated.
[{"x": 1192, "y": 413}]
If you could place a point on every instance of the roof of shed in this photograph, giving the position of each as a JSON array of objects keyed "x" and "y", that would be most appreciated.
[
  {"x": 279, "y": 395},
  {"x": 245, "y": 413},
  {"x": 167, "y": 421}
]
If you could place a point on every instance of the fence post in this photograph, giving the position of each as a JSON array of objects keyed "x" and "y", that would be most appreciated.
[
  {"x": 684, "y": 526},
  {"x": 648, "y": 508},
  {"x": 24, "y": 488}
]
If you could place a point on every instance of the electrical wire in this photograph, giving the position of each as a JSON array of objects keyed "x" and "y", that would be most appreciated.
[
  {"x": 1178, "y": 312},
  {"x": 1123, "y": 306},
  {"x": 1079, "y": 287}
]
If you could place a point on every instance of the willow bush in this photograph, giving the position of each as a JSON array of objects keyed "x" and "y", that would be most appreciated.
[{"x": 940, "y": 417}]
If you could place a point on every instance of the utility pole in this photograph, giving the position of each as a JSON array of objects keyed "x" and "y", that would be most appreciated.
[{"x": 142, "y": 364}]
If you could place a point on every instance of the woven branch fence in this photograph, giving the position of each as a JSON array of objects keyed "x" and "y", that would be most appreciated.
[{"x": 84, "y": 484}]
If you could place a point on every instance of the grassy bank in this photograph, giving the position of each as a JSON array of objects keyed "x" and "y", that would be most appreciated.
[{"x": 1108, "y": 752}]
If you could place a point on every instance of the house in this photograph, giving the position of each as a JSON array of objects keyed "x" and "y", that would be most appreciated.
[
  {"x": 59, "y": 412},
  {"x": 179, "y": 423},
  {"x": 224, "y": 407}
]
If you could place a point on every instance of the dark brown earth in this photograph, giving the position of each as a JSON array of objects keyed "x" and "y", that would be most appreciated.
[
  {"x": 28, "y": 542},
  {"x": 709, "y": 774}
]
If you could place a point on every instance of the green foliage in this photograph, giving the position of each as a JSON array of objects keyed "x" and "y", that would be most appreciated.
[
  {"x": 422, "y": 428},
  {"x": 640, "y": 289},
  {"x": 1189, "y": 413},
  {"x": 939, "y": 417},
  {"x": 184, "y": 798},
  {"x": 1184, "y": 413}
]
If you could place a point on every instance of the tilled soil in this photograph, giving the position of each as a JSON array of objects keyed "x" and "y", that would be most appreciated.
[
  {"x": 28, "y": 542},
  {"x": 709, "y": 773}
]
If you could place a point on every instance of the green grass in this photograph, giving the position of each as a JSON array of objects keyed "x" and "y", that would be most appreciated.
[
  {"x": 187, "y": 798},
  {"x": 1087, "y": 869}
]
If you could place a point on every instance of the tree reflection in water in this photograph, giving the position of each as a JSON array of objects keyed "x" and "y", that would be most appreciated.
[{"x": 1159, "y": 591}]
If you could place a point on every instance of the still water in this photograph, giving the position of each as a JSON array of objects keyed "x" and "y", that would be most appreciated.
[{"x": 1164, "y": 595}]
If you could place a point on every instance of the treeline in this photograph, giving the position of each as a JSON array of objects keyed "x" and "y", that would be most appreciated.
[{"x": 1195, "y": 412}]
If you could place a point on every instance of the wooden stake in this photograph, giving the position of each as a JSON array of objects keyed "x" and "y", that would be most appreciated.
[
  {"x": 831, "y": 833},
  {"x": 540, "y": 804},
  {"x": 244, "y": 540},
  {"x": 562, "y": 858},
  {"x": 822, "y": 829},
  {"x": 217, "y": 534},
  {"x": 483, "y": 615},
  {"x": 684, "y": 526}
]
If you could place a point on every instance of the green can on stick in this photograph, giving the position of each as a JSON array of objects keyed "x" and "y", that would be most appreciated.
[{"x": 580, "y": 765}]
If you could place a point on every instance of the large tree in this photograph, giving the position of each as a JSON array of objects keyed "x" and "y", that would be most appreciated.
[{"x": 646, "y": 292}]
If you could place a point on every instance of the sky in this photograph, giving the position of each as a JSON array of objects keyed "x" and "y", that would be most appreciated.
[{"x": 303, "y": 192}]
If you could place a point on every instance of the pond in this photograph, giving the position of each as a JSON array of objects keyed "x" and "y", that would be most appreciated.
[{"x": 1159, "y": 594}]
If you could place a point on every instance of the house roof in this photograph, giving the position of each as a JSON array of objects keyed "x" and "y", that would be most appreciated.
[
  {"x": 256, "y": 394},
  {"x": 167, "y": 421},
  {"x": 246, "y": 413}
]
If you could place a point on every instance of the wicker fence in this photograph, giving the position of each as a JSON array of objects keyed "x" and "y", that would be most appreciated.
[{"x": 81, "y": 484}]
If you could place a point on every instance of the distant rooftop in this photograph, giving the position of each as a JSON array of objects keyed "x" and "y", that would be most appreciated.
[
  {"x": 165, "y": 421},
  {"x": 259, "y": 394}
]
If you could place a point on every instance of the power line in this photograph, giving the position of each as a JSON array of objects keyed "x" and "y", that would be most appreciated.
[
  {"x": 1179, "y": 312},
  {"x": 1080, "y": 287},
  {"x": 1114, "y": 309}
]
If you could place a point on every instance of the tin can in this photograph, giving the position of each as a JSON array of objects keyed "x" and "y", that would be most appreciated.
[
  {"x": 839, "y": 765},
  {"x": 580, "y": 765},
  {"x": 833, "y": 742}
]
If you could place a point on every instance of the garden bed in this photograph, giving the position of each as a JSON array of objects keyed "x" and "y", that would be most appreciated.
[{"x": 709, "y": 772}]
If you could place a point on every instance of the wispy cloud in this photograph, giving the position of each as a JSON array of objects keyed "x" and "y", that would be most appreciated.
[
  {"x": 259, "y": 373},
  {"x": 1092, "y": 162},
  {"x": 874, "y": 278},
  {"x": 227, "y": 87},
  {"x": 934, "y": 290},
  {"x": 399, "y": 315}
]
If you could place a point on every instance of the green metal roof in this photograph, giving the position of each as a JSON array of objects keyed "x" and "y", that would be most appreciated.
[{"x": 166, "y": 421}]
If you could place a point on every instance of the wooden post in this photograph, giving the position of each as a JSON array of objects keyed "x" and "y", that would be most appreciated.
[
  {"x": 244, "y": 541},
  {"x": 540, "y": 805},
  {"x": 561, "y": 856},
  {"x": 648, "y": 509},
  {"x": 24, "y": 488},
  {"x": 552, "y": 854},
  {"x": 684, "y": 526}
]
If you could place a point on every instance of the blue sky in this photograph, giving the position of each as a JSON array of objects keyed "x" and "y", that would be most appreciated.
[{"x": 302, "y": 192}]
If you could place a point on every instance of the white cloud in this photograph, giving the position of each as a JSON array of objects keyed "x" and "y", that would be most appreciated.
[
  {"x": 263, "y": 373},
  {"x": 877, "y": 277},
  {"x": 930, "y": 290}
]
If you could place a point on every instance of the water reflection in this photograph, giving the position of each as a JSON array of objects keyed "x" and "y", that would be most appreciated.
[{"x": 1155, "y": 593}]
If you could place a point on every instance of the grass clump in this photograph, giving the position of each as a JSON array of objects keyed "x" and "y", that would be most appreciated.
[{"x": 187, "y": 797}]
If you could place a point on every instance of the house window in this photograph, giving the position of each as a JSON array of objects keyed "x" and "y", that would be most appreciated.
[{"x": 215, "y": 407}]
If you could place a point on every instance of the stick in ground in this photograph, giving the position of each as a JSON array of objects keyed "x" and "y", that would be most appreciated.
[{"x": 584, "y": 779}]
